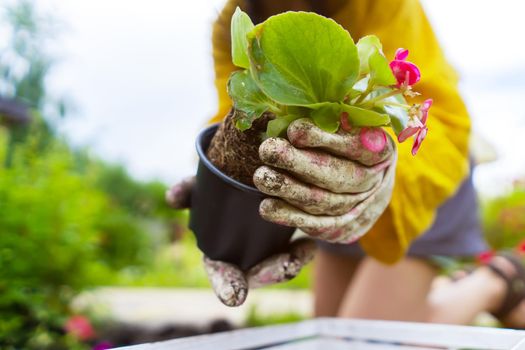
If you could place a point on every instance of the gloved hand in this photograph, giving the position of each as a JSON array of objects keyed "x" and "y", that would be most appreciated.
[
  {"x": 335, "y": 190},
  {"x": 229, "y": 283},
  {"x": 333, "y": 187}
]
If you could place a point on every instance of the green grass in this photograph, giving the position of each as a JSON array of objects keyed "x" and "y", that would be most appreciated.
[
  {"x": 256, "y": 319},
  {"x": 180, "y": 265}
]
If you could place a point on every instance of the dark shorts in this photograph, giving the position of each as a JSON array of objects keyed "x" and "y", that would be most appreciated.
[{"x": 456, "y": 231}]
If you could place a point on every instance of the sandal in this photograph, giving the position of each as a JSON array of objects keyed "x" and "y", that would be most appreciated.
[{"x": 515, "y": 285}]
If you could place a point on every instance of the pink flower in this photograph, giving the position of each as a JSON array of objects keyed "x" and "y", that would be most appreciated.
[
  {"x": 521, "y": 248},
  {"x": 105, "y": 345},
  {"x": 417, "y": 125},
  {"x": 406, "y": 73},
  {"x": 485, "y": 257},
  {"x": 80, "y": 327},
  {"x": 401, "y": 54}
]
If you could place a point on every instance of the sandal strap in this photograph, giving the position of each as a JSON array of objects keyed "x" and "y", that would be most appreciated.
[{"x": 515, "y": 293}]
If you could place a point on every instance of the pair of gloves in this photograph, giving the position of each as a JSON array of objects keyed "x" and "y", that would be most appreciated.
[{"x": 333, "y": 187}]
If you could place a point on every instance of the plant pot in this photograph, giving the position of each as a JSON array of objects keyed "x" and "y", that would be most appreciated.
[{"x": 225, "y": 216}]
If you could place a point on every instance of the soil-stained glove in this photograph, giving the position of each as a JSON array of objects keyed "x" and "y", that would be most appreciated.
[
  {"x": 228, "y": 281},
  {"x": 333, "y": 187}
]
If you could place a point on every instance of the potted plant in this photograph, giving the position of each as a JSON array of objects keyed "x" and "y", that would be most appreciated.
[{"x": 293, "y": 65}]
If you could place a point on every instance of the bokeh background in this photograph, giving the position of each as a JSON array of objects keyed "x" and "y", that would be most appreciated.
[{"x": 116, "y": 92}]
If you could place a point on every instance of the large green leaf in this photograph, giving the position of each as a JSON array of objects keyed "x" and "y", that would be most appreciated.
[
  {"x": 398, "y": 115},
  {"x": 366, "y": 46},
  {"x": 398, "y": 118},
  {"x": 300, "y": 58},
  {"x": 241, "y": 25},
  {"x": 372, "y": 60},
  {"x": 364, "y": 117},
  {"x": 327, "y": 116},
  {"x": 277, "y": 127},
  {"x": 380, "y": 72},
  {"x": 247, "y": 98}
]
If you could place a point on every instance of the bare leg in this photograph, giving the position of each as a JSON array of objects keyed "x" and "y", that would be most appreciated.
[
  {"x": 397, "y": 292},
  {"x": 404, "y": 292},
  {"x": 333, "y": 274},
  {"x": 462, "y": 301}
]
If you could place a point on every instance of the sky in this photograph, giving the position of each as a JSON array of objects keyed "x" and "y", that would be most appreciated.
[{"x": 140, "y": 75}]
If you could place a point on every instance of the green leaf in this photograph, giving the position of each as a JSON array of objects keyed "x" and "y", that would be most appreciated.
[
  {"x": 277, "y": 127},
  {"x": 300, "y": 58},
  {"x": 248, "y": 98},
  {"x": 398, "y": 118},
  {"x": 327, "y": 117},
  {"x": 243, "y": 120},
  {"x": 241, "y": 25},
  {"x": 364, "y": 117},
  {"x": 380, "y": 72},
  {"x": 398, "y": 115},
  {"x": 366, "y": 46},
  {"x": 353, "y": 93}
]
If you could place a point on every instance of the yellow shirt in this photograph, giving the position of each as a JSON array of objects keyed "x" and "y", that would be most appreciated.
[{"x": 425, "y": 181}]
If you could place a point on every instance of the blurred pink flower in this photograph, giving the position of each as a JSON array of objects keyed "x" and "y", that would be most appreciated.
[
  {"x": 421, "y": 134},
  {"x": 405, "y": 72},
  {"x": 80, "y": 327},
  {"x": 417, "y": 126},
  {"x": 105, "y": 345},
  {"x": 521, "y": 247},
  {"x": 485, "y": 257}
]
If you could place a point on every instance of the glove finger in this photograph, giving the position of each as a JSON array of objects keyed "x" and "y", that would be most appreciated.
[
  {"x": 282, "y": 267},
  {"x": 179, "y": 196},
  {"x": 227, "y": 281},
  {"x": 321, "y": 169},
  {"x": 308, "y": 198},
  {"x": 369, "y": 213},
  {"x": 343, "y": 228},
  {"x": 283, "y": 213},
  {"x": 303, "y": 133}
]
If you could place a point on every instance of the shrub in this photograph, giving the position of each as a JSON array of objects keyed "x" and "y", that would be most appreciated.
[{"x": 504, "y": 218}]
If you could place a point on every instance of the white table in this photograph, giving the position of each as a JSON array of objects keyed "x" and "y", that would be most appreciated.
[{"x": 328, "y": 334}]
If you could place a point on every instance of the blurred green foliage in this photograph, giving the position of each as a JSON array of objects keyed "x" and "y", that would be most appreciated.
[
  {"x": 180, "y": 265},
  {"x": 256, "y": 318},
  {"x": 61, "y": 232},
  {"x": 68, "y": 221},
  {"x": 504, "y": 218},
  {"x": 48, "y": 243}
]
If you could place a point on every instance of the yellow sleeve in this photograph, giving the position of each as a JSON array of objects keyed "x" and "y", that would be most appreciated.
[
  {"x": 425, "y": 181},
  {"x": 221, "y": 48}
]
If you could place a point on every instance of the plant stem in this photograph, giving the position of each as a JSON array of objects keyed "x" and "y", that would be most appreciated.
[
  {"x": 372, "y": 101},
  {"x": 365, "y": 93},
  {"x": 395, "y": 104},
  {"x": 275, "y": 110}
]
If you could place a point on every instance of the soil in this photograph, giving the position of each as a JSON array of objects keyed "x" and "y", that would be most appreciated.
[{"x": 235, "y": 152}]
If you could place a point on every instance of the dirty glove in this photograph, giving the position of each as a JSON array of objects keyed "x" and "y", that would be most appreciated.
[
  {"x": 229, "y": 283},
  {"x": 333, "y": 187}
]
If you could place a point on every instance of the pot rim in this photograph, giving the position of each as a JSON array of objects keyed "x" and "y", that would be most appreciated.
[{"x": 204, "y": 159}]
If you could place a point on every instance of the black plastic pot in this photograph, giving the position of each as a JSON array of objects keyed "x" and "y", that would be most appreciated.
[{"x": 225, "y": 216}]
